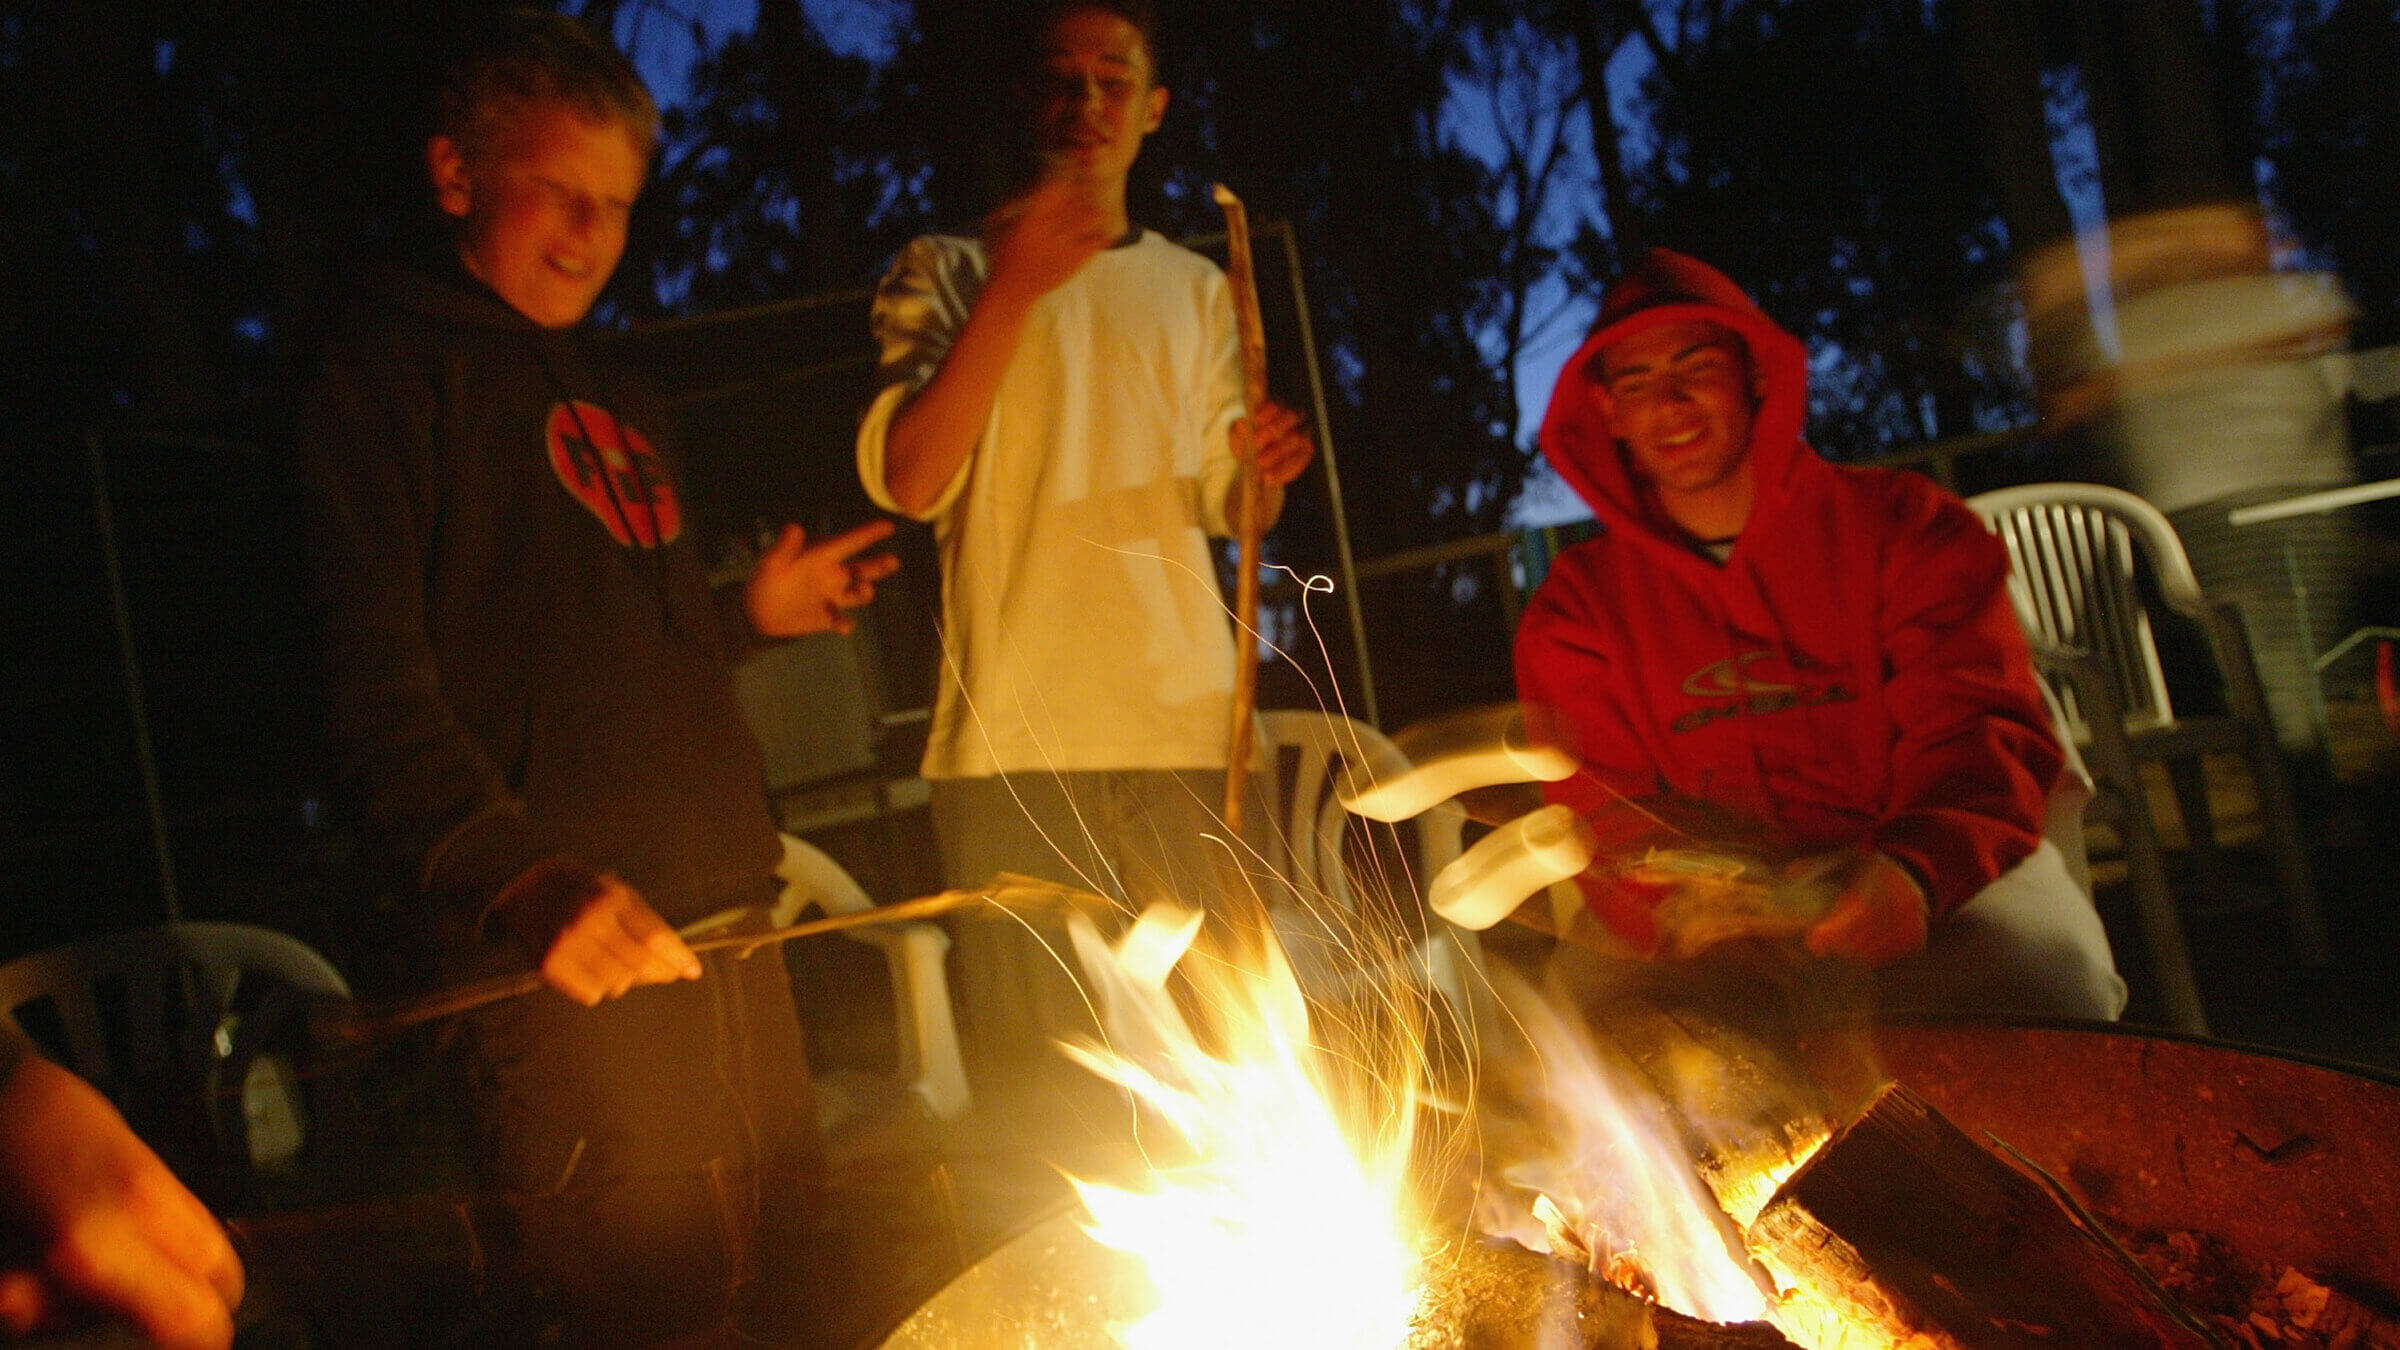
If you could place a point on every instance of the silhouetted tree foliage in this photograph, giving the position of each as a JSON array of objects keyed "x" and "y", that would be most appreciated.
[
  {"x": 1821, "y": 155},
  {"x": 1328, "y": 116},
  {"x": 771, "y": 185},
  {"x": 2335, "y": 132}
]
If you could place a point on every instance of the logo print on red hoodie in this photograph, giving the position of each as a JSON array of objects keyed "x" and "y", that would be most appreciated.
[
  {"x": 612, "y": 469},
  {"x": 1730, "y": 679}
]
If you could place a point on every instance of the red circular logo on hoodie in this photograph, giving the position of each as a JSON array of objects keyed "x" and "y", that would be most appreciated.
[{"x": 612, "y": 469}]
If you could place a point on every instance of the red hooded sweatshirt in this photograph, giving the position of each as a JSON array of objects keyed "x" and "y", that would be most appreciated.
[{"x": 1852, "y": 674}]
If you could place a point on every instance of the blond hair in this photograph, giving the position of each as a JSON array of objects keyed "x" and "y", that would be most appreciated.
[{"x": 529, "y": 56}]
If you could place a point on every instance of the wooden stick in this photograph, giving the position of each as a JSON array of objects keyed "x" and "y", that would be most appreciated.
[
  {"x": 1244, "y": 280},
  {"x": 343, "y": 1026}
]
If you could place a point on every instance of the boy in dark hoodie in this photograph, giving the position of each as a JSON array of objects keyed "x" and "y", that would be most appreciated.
[
  {"x": 530, "y": 694},
  {"x": 1824, "y": 654}
]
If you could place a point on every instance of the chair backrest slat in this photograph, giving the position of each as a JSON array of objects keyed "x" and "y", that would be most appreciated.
[{"x": 2077, "y": 584}]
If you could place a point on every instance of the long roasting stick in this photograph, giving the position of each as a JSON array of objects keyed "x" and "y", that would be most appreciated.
[
  {"x": 362, "y": 1024},
  {"x": 1244, "y": 279}
]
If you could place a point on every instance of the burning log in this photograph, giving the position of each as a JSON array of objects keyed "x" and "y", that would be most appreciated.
[
  {"x": 1748, "y": 1118},
  {"x": 1499, "y": 1296},
  {"x": 1905, "y": 1225}
]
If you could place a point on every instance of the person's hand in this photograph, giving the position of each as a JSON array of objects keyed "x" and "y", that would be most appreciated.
[
  {"x": 1039, "y": 240},
  {"x": 1878, "y": 917},
  {"x": 1278, "y": 439},
  {"x": 594, "y": 935},
  {"x": 799, "y": 588},
  {"x": 95, "y": 1222}
]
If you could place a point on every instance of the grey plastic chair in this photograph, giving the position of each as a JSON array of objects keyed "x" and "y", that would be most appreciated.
[
  {"x": 2076, "y": 550},
  {"x": 2105, "y": 763},
  {"x": 167, "y": 1022}
]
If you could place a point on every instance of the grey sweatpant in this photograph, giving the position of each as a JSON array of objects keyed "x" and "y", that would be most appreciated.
[{"x": 1135, "y": 835}]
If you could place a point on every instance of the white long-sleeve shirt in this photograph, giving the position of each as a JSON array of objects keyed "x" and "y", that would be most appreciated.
[{"x": 1083, "y": 627}]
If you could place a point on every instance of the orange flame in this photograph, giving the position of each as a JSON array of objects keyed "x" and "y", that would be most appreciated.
[
  {"x": 1612, "y": 1185},
  {"x": 1268, "y": 1219}
]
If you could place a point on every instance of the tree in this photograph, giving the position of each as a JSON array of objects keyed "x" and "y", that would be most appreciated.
[
  {"x": 771, "y": 184},
  {"x": 1526, "y": 98},
  {"x": 2336, "y": 124},
  {"x": 1819, "y": 154}
]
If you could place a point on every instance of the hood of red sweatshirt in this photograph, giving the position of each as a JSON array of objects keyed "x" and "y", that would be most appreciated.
[{"x": 1669, "y": 287}]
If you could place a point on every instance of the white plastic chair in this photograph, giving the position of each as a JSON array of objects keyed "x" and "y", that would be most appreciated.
[
  {"x": 1313, "y": 822},
  {"x": 928, "y": 1035},
  {"x": 159, "y": 1015},
  {"x": 2074, "y": 549}
]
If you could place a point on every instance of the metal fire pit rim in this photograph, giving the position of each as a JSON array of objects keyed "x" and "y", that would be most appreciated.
[
  {"x": 2136, "y": 1031},
  {"x": 926, "y": 1291}
]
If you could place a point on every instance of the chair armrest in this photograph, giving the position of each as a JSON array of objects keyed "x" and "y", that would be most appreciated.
[
  {"x": 2245, "y": 693},
  {"x": 2109, "y": 760},
  {"x": 2221, "y": 620}
]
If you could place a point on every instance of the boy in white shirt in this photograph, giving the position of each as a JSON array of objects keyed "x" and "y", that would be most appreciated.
[{"x": 1060, "y": 402}]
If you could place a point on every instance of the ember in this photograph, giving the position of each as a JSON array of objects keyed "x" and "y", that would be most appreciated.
[{"x": 2256, "y": 1303}]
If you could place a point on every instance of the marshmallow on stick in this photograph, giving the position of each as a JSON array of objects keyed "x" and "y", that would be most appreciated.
[
  {"x": 1446, "y": 756},
  {"x": 1511, "y": 865}
]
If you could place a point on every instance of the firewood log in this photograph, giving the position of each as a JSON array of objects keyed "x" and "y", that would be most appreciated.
[{"x": 1904, "y": 1224}]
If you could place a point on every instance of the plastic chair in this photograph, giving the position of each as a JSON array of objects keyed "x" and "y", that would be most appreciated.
[
  {"x": 162, "y": 1018},
  {"x": 2093, "y": 788},
  {"x": 928, "y": 1035},
  {"x": 1313, "y": 824},
  {"x": 2074, "y": 548}
]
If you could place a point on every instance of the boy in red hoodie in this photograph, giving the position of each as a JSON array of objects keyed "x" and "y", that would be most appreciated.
[{"x": 1824, "y": 654}]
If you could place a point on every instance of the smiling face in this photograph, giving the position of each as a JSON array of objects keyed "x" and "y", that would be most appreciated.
[
  {"x": 1095, "y": 97},
  {"x": 1683, "y": 396},
  {"x": 543, "y": 212}
]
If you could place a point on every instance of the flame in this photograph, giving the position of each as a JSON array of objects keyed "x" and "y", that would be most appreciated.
[
  {"x": 1613, "y": 1185},
  {"x": 1272, "y": 1217}
]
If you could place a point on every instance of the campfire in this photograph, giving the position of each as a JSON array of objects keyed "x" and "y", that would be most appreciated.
[
  {"x": 1284, "y": 1200},
  {"x": 1646, "y": 1165}
]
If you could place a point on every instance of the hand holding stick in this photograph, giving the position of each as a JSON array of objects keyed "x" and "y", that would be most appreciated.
[{"x": 352, "y": 1025}]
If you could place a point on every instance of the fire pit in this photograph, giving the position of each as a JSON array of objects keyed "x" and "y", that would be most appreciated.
[{"x": 2288, "y": 1163}]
